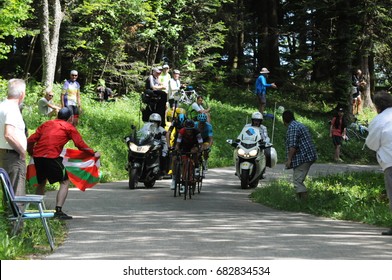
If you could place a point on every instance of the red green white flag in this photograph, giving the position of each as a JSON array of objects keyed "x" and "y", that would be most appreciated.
[{"x": 82, "y": 169}]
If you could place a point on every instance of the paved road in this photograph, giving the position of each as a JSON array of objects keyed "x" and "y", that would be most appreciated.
[{"x": 112, "y": 222}]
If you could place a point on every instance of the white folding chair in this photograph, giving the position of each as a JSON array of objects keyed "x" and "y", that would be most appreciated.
[{"x": 18, "y": 214}]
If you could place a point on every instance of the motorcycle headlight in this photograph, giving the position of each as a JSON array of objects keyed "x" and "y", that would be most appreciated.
[
  {"x": 253, "y": 153},
  {"x": 138, "y": 149},
  {"x": 241, "y": 152}
]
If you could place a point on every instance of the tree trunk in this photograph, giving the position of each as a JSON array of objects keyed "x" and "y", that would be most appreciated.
[{"x": 50, "y": 23}]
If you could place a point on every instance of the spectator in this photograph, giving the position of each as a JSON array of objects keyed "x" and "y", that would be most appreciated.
[
  {"x": 165, "y": 77},
  {"x": 104, "y": 92},
  {"x": 261, "y": 89},
  {"x": 70, "y": 96},
  {"x": 157, "y": 97},
  {"x": 46, "y": 106},
  {"x": 300, "y": 152},
  {"x": 174, "y": 87},
  {"x": 12, "y": 136},
  {"x": 198, "y": 108},
  {"x": 46, "y": 145},
  {"x": 337, "y": 132},
  {"x": 380, "y": 140},
  {"x": 359, "y": 85}
]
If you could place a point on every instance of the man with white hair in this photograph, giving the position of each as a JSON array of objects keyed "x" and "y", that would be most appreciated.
[{"x": 13, "y": 140}]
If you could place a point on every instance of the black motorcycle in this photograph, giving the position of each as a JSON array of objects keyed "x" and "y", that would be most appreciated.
[{"x": 144, "y": 150}]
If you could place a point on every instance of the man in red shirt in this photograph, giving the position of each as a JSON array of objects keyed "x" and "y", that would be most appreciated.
[{"x": 46, "y": 145}]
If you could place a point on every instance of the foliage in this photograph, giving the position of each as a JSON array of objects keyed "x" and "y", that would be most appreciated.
[
  {"x": 350, "y": 196},
  {"x": 13, "y": 14}
]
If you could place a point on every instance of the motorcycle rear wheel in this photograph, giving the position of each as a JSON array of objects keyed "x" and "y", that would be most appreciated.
[{"x": 133, "y": 178}]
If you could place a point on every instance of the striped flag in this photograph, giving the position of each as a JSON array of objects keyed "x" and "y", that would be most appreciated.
[{"x": 82, "y": 169}]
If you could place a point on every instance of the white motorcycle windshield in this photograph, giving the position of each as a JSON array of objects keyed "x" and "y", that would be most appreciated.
[
  {"x": 146, "y": 134},
  {"x": 250, "y": 134}
]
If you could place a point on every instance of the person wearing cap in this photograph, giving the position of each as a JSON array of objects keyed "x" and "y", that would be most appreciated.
[
  {"x": 379, "y": 140},
  {"x": 46, "y": 106},
  {"x": 337, "y": 132},
  {"x": 165, "y": 77},
  {"x": 156, "y": 88},
  {"x": 261, "y": 89},
  {"x": 13, "y": 136},
  {"x": 174, "y": 87},
  {"x": 70, "y": 96},
  {"x": 46, "y": 145}
]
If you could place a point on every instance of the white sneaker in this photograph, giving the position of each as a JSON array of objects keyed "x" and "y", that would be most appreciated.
[
  {"x": 197, "y": 172},
  {"x": 182, "y": 189},
  {"x": 173, "y": 184}
]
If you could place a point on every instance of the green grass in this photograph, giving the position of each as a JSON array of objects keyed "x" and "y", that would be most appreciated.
[
  {"x": 357, "y": 197},
  {"x": 104, "y": 125}
]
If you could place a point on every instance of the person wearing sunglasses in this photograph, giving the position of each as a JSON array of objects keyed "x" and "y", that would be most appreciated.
[
  {"x": 70, "y": 96},
  {"x": 46, "y": 106}
]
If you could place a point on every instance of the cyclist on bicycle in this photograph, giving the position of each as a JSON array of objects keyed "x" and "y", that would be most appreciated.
[
  {"x": 189, "y": 140},
  {"x": 205, "y": 129}
]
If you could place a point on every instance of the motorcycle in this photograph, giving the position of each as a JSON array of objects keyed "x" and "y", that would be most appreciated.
[
  {"x": 250, "y": 156},
  {"x": 144, "y": 150}
]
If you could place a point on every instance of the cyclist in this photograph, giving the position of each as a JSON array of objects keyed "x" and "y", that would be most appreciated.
[
  {"x": 189, "y": 140},
  {"x": 205, "y": 129}
]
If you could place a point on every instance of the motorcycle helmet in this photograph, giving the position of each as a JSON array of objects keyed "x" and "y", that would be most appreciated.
[
  {"x": 202, "y": 117},
  {"x": 189, "y": 124},
  {"x": 257, "y": 116},
  {"x": 155, "y": 118}
]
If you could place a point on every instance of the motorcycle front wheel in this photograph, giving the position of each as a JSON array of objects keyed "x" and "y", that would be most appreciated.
[
  {"x": 133, "y": 178},
  {"x": 244, "y": 178}
]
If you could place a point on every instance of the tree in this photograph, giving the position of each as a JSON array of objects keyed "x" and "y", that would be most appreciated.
[
  {"x": 50, "y": 22},
  {"x": 13, "y": 13}
]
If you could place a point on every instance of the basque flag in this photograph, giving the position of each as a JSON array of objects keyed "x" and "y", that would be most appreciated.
[{"x": 82, "y": 169}]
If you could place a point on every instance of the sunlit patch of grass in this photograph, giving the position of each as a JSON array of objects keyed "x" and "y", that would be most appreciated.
[{"x": 350, "y": 196}]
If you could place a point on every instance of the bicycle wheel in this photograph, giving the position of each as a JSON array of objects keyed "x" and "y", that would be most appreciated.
[
  {"x": 200, "y": 179},
  {"x": 177, "y": 186},
  {"x": 351, "y": 134},
  {"x": 186, "y": 179}
]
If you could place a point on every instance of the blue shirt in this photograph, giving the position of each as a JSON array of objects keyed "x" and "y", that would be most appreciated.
[
  {"x": 207, "y": 131},
  {"x": 261, "y": 85},
  {"x": 298, "y": 137}
]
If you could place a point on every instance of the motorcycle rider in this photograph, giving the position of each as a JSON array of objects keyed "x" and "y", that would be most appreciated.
[
  {"x": 257, "y": 120},
  {"x": 205, "y": 129},
  {"x": 156, "y": 119},
  {"x": 189, "y": 140}
]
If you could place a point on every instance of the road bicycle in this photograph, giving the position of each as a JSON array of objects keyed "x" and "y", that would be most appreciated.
[
  {"x": 185, "y": 175},
  {"x": 357, "y": 131}
]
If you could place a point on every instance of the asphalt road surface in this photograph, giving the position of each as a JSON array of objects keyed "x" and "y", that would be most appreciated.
[{"x": 112, "y": 222}]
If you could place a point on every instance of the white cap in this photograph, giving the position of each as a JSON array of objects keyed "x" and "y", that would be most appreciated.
[{"x": 74, "y": 72}]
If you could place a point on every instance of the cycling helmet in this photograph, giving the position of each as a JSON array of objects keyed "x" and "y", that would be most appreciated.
[
  {"x": 155, "y": 118},
  {"x": 189, "y": 124},
  {"x": 181, "y": 118},
  {"x": 202, "y": 117}
]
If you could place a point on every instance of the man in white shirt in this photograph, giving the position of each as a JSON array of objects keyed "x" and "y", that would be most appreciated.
[
  {"x": 380, "y": 140},
  {"x": 13, "y": 141}
]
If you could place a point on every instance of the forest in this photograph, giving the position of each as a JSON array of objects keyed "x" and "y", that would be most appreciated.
[{"x": 310, "y": 46}]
